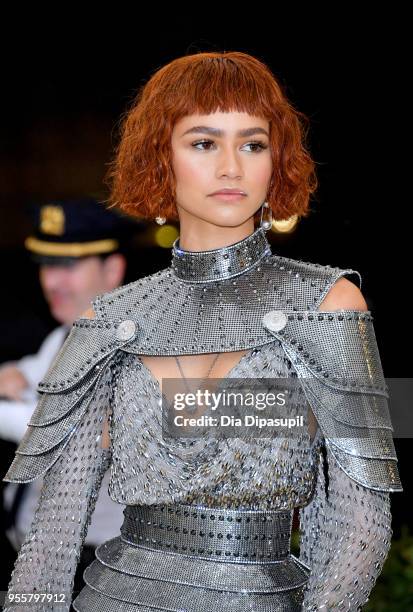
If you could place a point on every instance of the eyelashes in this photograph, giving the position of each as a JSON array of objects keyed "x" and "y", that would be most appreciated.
[{"x": 260, "y": 145}]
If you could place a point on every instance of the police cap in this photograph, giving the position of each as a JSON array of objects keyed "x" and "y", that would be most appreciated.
[{"x": 66, "y": 230}]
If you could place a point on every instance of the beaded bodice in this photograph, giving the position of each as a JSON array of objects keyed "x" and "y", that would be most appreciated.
[{"x": 276, "y": 472}]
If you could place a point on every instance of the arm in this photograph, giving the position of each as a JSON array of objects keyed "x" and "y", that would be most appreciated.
[
  {"x": 12, "y": 381},
  {"x": 345, "y": 537},
  {"x": 48, "y": 558},
  {"x": 34, "y": 367},
  {"x": 14, "y": 417},
  {"x": 18, "y": 379},
  {"x": 346, "y": 528}
]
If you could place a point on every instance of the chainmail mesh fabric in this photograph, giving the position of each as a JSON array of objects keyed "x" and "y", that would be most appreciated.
[
  {"x": 345, "y": 538},
  {"x": 207, "y": 524},
  {"x": 48, "y": 557}
]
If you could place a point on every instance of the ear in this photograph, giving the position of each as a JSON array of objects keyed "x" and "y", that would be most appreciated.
[{"x": 115, "y": 268}]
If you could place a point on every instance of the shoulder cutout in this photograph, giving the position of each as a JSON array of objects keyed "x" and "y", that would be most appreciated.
[{"x": 344, "y": 294}]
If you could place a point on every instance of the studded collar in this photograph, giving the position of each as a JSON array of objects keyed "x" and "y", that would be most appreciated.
[
  {"x": 222, "y": 263},
  {"x": 166, "y": 314}
]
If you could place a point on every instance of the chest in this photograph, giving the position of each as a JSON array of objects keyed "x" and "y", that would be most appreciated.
[{"x": 151, "y": 468}]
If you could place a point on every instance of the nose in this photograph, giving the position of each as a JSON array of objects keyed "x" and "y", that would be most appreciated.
[{"x": 229, "y": 163}]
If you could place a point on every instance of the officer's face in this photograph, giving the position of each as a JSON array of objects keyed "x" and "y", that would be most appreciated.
[
  {"x": 69, "y": 289},
  {"x": 205, "y": 161}
]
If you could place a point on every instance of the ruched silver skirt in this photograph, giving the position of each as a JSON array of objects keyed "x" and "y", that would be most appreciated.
[{"x": 184, "y": 558}]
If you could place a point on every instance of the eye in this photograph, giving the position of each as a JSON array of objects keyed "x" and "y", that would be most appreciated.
[
  {"x": 260, "y": 146},
  {"x": 201, "y": 142}
]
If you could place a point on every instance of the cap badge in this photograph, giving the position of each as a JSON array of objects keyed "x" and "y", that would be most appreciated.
[{"x": 52, "y": 220}]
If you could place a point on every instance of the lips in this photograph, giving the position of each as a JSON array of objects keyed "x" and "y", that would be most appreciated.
[{"x": 229, "y": 192}]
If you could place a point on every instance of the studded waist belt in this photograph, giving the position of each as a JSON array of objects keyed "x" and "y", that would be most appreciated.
[{"x": 248, "y": 536}]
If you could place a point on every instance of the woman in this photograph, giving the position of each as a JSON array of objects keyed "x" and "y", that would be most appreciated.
[{"x": 212, "y": 141}]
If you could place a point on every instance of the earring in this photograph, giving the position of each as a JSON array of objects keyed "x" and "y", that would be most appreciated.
[
  {"x": 160, "y": 220},
  {"x": 267, "y": 222}
]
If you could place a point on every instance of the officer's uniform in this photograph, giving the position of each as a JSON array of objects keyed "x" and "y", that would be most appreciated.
[{"x": 64, "y": 232}]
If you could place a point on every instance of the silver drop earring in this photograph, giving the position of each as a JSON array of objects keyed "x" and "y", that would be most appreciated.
[
  {"x": 160, "y": 220},
  {"x": 267, "y": 222}
]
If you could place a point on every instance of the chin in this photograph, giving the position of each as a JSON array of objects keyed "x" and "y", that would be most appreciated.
[
  {"x": 62, "y": 315},
  {"x": 229, "y": 222}
]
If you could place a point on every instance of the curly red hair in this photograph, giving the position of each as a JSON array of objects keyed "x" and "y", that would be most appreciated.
[{"x": 141, "y": 179}]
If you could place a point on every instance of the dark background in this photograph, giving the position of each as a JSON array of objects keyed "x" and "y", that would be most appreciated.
[{"x": 67, "y": 78}]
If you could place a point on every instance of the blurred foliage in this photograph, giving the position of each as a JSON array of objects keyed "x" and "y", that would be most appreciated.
[
  {"x": 394, "y": 587},
  {"x": 393, "y": 591}
]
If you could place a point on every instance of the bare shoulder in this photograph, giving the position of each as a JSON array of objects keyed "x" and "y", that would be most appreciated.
[
  {"x": 88, "y": 314},
  {"x": 344, "y": 294}
]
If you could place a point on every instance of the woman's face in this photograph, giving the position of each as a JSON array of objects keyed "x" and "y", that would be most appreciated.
[{"x": 221, "y": 151}]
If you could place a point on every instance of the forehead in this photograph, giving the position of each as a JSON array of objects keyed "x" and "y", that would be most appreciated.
[{"x": 229, "y": 122}]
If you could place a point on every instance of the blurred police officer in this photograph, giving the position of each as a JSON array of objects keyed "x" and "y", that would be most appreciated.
[{"x": 78, "y": 245}]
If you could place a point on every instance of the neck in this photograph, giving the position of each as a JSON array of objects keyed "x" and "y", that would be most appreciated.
[
  {"x": 221, "y": 263},
  {"x": 200, "y": 235}
]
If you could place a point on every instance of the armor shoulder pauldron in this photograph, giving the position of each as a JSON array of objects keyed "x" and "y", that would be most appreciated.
[
  {"x": 336, "y": 357},
  {"x": 65, "y": 391}
]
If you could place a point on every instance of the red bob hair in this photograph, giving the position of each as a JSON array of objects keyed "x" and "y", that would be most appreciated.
[{"x": 140, "y": 177}]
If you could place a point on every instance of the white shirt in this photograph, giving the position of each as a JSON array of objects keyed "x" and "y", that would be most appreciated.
[{"x": 14, "y": 417}]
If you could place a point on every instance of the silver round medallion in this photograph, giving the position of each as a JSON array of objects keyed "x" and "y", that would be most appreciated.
[
  {"x": 126, "y": 330},
  {"x": 275, "y": 320}
]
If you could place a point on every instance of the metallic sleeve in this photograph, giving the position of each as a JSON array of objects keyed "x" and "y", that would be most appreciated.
[
  {"x": 47, "y": 561},
  {"x": 63, "y": 443},
  {"x": 345, "y": 537},
  {"x": 88, "y": 353}
]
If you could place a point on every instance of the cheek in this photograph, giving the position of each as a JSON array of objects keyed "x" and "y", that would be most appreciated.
[
  {"x": 72, "y": 283},
  {"x": 78, "y": 283},
  {"x": 188, "y": 169},
  {"x": 264, "y": 170},
  {"x": 86, "y": 276}
]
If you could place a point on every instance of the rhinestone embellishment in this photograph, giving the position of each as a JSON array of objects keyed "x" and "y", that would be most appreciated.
[
  {"x": 275, "y": 320},
  {"x": 126, "y": 330}
]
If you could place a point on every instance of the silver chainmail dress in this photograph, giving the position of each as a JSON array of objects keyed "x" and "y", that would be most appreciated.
[{"x": 208, "y": 522}]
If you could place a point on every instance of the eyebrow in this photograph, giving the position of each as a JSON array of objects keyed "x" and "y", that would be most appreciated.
[{"x": 219, "y": 133}]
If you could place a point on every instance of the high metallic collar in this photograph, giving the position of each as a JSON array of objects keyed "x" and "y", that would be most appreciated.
[{"x": 222, "y": 263}]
